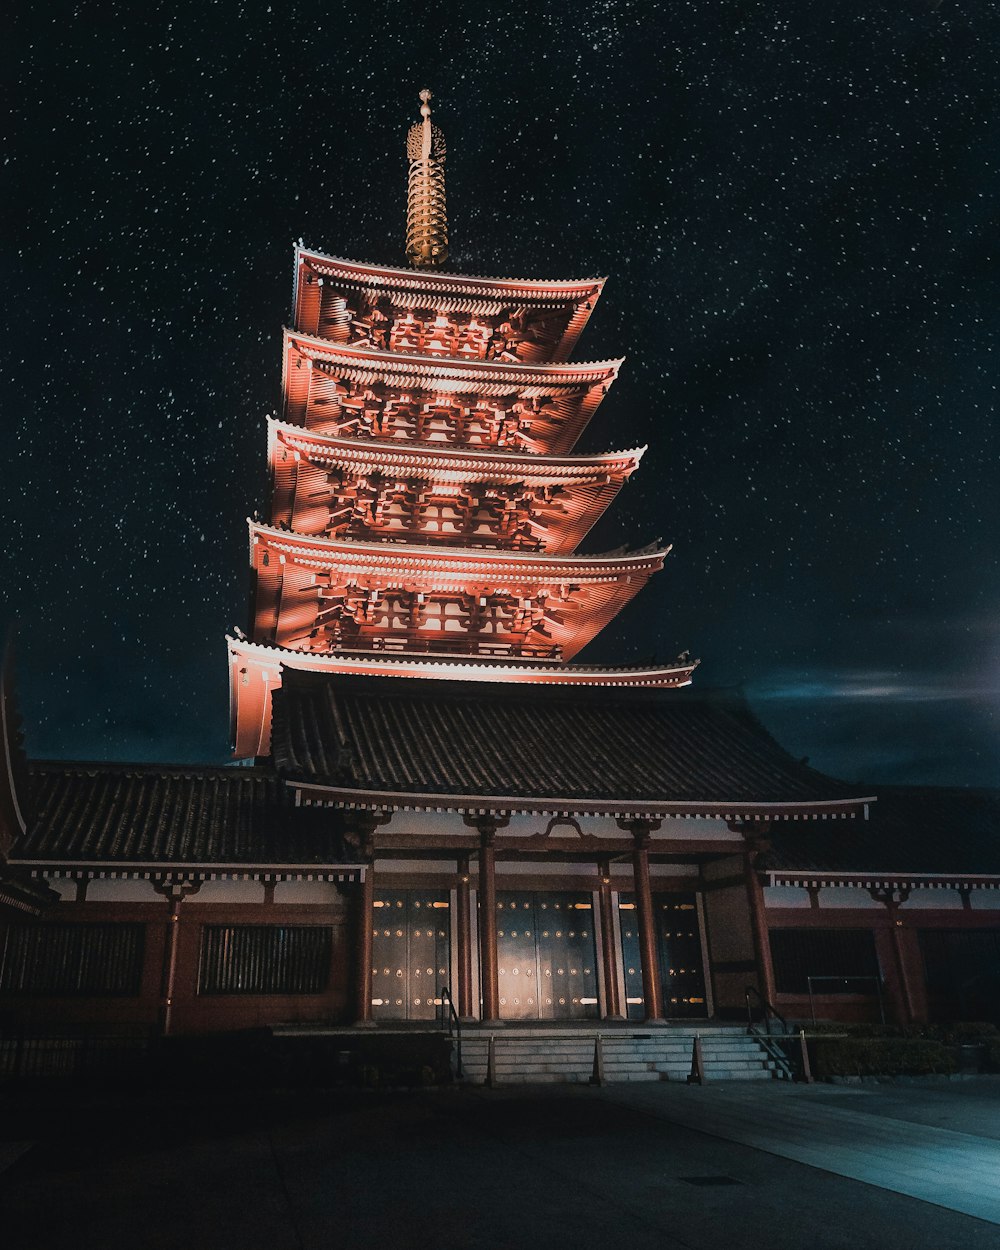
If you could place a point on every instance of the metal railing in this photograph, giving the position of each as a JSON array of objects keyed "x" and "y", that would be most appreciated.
[
  {"x": 451, "y": 1020},
  {"x": 768, "y": 1010},
  {"x": 778, "y": 1045}
]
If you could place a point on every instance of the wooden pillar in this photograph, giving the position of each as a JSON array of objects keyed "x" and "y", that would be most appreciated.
[
  {"x": 489, "y": 981},
  {"x": 175, "y": 891},
  {"x": 488, "y": 927},
  {"x": 465, "y": 1006},
  {"x": 761, "y": 933},
  {"x": 904, "y": 976},
  {"x": 360, "y": 833},
  {"x": 364, "y": 947},
  {"x": 609, "y": 952},
  {"x": 755, "y": 835},
  {"x": 170, "y": 977},
  {"x": 891, "y": 900},
  {"x": 652, "y": 985}
]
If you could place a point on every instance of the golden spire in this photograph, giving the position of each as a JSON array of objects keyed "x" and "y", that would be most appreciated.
[{"x": 426, "y": 216}]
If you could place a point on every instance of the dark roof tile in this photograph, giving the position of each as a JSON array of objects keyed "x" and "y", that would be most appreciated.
[
  {"x": 119, "y": 813},
  {"x": 398, "y": 735}
]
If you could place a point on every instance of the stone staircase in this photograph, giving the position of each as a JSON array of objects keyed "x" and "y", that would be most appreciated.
[{"x": 528, "y": 1056}]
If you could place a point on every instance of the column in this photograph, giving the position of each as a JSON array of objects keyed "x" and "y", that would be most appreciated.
[
  {"x": 465, "y": 1006},
  {"x": 609, "y": 953},
  {"x": 904, "y": 979},
  {"x": 175, "y": 890},
  {"x": 758, "y": 918},
  {"x": 902, "y": 995},
  {"x": 366, "y": 923},
  {"x": 488, "y": 923},
  {"x": 651, "y": 983},
  {"x": 359, "y": 834},
  {"x": 486, "y": 825},
  {"x": 170, "y": 975}
]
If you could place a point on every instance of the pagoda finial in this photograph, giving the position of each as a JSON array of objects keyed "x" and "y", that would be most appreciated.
[{"x": 426, "y": 215}]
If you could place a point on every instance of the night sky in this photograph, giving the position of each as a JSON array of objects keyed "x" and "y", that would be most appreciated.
[{"x": 796, "y": 206}]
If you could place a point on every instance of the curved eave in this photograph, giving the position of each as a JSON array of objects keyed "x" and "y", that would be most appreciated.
[
  {"x": 12, "y": 817},
  {"x": 431, "y": 459},
  {"x": 569, "y": 394},
  {"x": 570, "y": 493},
  {"x": 451, "y": 291},
  {"x": 255, "y": 671},
  {"x": 451, "y": 563},
  {"x": 448, "y": 369},
  {"x": 566, "y": 289},
  {"x": 653, "y": 808},
  {"x": 451, "y": 668}
]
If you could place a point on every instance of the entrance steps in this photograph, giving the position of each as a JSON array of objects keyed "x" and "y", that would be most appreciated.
[{"x": 522, "y": 1057}]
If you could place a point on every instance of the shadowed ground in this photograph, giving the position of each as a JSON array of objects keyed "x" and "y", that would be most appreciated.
[{"x": 548, "y": 1166}]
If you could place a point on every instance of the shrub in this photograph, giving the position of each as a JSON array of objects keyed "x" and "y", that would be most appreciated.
[
  {"x": 881, "y": 1056},
  {"x": 970, "y": 1031}
]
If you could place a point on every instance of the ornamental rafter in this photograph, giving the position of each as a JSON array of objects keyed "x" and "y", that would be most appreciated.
[
  {"x": 525, "y": 319},
  {"x": 363, "y": 393},
  {"x": 377, "y": 491},
  {"x": 326, "y": 595}
]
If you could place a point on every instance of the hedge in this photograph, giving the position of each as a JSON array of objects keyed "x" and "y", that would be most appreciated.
[{"x": 881, "y": 1056}]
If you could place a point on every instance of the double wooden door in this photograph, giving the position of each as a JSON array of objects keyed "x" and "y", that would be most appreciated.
[
  {"x": 546, "y": 956},
  {"x": 678, "y": 940},
  {"x": 411, "y": 949}
]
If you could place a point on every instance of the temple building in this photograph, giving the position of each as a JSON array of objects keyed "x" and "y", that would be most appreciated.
[{"x": 434, "y": 799}]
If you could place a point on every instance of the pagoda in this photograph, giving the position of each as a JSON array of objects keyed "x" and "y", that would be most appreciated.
[
  {"x": 446, "y": 810},
  {"x": 426, "y": 505}
]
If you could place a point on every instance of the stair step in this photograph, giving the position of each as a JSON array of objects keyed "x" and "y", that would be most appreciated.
[{"x": 522, "y": 1057}]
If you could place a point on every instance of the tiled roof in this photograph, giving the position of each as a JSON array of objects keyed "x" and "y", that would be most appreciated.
[
  {"x": 151, "y": 814},
  {"x": 466, "y": 738},
  {"x": 83, "y": 813},
  {"x": 20, "y": 895},
  {"x": 912, "y": 829}
]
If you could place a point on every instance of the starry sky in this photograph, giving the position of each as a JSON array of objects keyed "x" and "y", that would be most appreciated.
[{"x": 796, "y": 206}]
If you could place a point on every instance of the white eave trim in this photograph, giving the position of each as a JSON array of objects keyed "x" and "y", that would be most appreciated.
[
  {"x": 313, "y": 794},
  {"x": 885, "y": 880},
  {"x": 570, "y": 290},
  {"x": 94, "y": 870}
]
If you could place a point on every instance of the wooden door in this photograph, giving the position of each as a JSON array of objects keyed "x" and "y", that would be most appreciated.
[
  {"x": 546, "y": 956},
  {"x": 410, "y": 953},
  {"x": 678, "y": 941}
]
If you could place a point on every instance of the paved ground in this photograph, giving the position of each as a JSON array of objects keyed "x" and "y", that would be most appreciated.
[{"x": 547, "y": 1166}]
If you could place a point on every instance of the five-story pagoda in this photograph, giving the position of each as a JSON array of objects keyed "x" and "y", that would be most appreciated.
[
  {"x": 425, "y": 502},
  {"x": 445, "y": 808}
]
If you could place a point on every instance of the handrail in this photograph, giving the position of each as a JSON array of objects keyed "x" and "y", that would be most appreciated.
[
  {"x": 454, "y": 1021},
  {"x": 768, "y": 1009},
  {"x": 795, "y": 1067}
]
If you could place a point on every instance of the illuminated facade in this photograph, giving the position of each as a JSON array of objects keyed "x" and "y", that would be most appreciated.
[
  {"x": 418, "y": 586},
  {"x": 437, "y": 798},
  {"x": 426, "y": 505}
]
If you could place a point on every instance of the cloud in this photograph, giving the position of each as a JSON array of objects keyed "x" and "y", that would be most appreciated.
[
  {"x": 885, "y": 726},
  {"x": 862, "y": 685}
]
